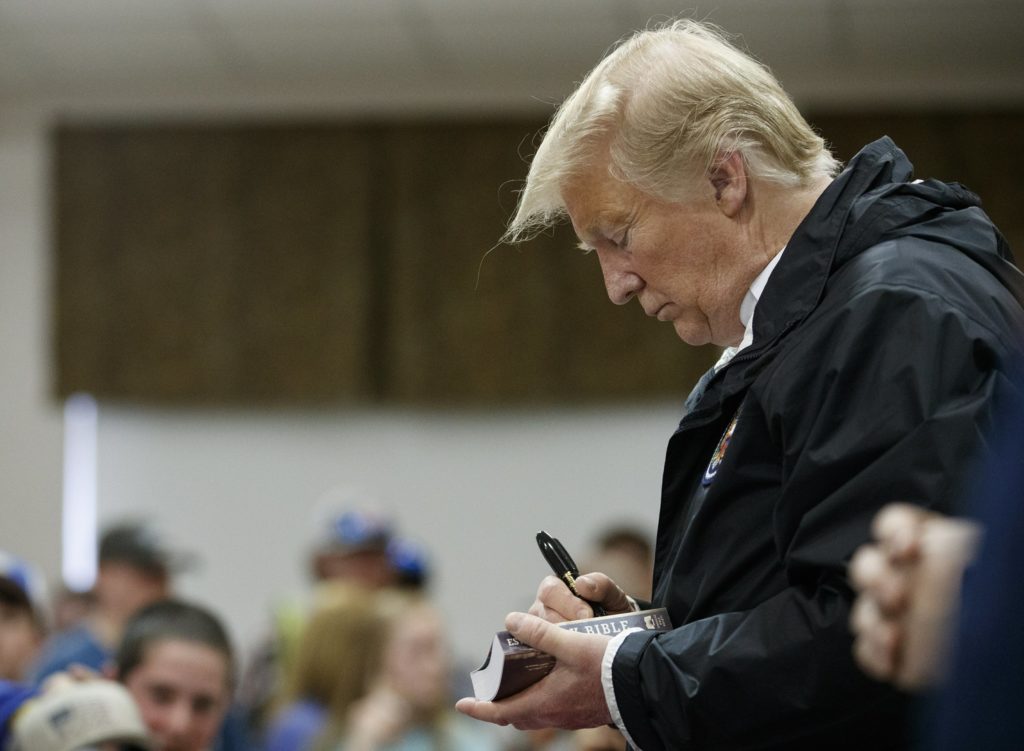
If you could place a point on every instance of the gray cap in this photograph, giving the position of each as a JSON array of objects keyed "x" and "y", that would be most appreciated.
[
  {"x": 80, "y": 714},
  {"x": 139, "y": 545}
]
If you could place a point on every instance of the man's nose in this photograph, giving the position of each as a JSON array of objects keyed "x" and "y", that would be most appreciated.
[{"x": 621, "y": 282}]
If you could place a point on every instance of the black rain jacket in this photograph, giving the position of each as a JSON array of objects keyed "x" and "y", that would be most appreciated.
[{"x": 883, "y": 342}]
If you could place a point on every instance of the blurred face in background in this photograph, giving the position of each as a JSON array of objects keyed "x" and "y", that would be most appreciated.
[
  {"x": 123, "y": 589},
  {"x": 367, "y": 568},
  {"x": 416, "y": 659},
  {"x": 20, "y": 638},
  {"x": 181, "y": 688}
]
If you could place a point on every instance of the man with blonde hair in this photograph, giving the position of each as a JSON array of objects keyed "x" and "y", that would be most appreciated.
[{"x": 869, "y": 321}]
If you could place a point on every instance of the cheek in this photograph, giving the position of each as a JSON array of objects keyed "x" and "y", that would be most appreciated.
[
  {"x": 154, "y": 715},
  {"x": 423, "y": 674},
  {"x": 206, "y": 728},
  {"x": 15, "y": 641}
]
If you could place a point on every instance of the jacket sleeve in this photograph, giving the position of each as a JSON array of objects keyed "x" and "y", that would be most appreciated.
[{"x": 881, "y": 399}]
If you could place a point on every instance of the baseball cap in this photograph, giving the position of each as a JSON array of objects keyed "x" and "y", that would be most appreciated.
[
  {"x": 139, "y": 545},
  {"x": 78, "y": 715},
  {"x": 21, "y": 584},
  {"x": 410, "y": 561},
  {"x": 353, "y": 531}
]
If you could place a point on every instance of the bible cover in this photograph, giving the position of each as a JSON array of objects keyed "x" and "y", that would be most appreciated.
[{"x": 512, "y": 666}]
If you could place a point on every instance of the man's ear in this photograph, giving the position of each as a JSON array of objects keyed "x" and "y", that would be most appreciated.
[{"x": 728, "y": 178}]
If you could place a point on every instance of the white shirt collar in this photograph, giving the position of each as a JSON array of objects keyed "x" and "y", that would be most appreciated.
[{"x": 747, "y": 310}]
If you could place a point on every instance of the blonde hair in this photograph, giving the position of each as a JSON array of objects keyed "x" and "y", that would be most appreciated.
[
  {"x": 665, "y": 106},
  {"x": 341, "y": 654},
  {"x": 340, "y": 649}
]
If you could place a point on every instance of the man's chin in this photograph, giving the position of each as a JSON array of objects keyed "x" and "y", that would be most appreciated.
[{"x": 693, "y": 335}]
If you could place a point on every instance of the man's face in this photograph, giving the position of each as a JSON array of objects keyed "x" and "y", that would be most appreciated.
[
  {"x": 682, "y": 261},
  {"x": 19, "y": 641},
  {"x": 181, "y": 688}
]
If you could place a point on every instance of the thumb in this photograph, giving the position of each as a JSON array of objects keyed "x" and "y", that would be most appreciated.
[{"x": 536, "y": 632}]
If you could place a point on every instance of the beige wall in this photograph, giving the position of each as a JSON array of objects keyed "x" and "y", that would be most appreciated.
[{"x": 30, "y": 423}]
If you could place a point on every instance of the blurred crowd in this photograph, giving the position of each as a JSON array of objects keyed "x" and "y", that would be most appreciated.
[{"x": 362, "y": 665}]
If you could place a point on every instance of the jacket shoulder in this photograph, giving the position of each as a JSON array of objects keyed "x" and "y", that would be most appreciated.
[{"x": 916, "y": 268}]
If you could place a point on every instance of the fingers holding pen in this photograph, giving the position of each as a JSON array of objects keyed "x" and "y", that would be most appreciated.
[
  {"x": 599, "y": 588},
  {"x": 556, "y": 603}
]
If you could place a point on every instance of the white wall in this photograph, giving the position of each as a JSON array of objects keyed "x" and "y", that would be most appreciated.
[
  {"x": 30, "y": 422},
  {"x": 243, "y": 489},
  {"x": 240, "y": 487}
]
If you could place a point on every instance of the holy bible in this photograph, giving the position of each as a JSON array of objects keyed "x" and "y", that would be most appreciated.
[{"x": 512, "y": 666}]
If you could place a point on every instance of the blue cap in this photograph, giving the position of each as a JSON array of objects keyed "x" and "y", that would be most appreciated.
[
  {"x": 353, "y": 531},
  {"x": 22, "y": 584},
  {"x": 410, "y": 561}
]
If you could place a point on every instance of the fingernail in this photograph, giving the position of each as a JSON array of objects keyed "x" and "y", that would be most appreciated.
[{"x": 513, "y": 621}]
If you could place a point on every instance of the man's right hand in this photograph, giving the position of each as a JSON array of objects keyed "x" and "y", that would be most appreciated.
[{"x": 556, "y": 603}]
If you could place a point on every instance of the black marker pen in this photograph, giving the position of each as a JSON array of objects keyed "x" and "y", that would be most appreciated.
[{"x": 564, "y": 566}]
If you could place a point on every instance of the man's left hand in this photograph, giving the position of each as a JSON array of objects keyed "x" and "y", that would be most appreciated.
[{"x": 569, "y": 697}]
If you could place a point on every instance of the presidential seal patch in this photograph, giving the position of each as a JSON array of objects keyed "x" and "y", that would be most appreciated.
[{"x": 719, "y": 455}]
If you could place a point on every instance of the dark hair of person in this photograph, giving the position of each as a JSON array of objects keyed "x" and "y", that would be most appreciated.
[
  {"x": 172, "y": 620},
  {"x": 632, "y": 540}
]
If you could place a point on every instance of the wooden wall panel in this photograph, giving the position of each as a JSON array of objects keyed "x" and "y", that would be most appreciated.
[
  {"x": 220, "y": 265},
  {"x": 341, "y": 263},
  {"x": 531, "y": 323}
]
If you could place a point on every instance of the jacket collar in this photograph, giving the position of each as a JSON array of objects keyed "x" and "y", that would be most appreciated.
[
  {"x": 798, "y": 282},
  {"x": 818, "y": 244}
]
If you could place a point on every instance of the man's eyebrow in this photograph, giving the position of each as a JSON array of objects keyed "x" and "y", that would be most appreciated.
[
  {"x": 604, "y": 227},
  {"x": 599, "y": 228}
]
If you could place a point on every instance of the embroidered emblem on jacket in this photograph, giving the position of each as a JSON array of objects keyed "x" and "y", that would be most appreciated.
[{"x": 719, "y": 455}]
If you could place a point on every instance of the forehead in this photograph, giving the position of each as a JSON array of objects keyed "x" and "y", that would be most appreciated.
[
  {"x": 598, "y": 203},
  {"x": 187, "y": 664}
]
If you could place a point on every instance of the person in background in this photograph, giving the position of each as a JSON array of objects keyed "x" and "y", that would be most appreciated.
[
  {"x": 135, "y": 569},
  {"x": 941, "y": 603},
  {"x": 626, "y": 554},
  {"x": 71, "y": 608},
  {"x": 338, "y": 650},
  {"x": 176, "y": 661},
  {"x": 909, "y": 581},
  {"x": 22, "y": 616},
  {"x": 407, "y": 706},
  {"x": 353, "y": 546}
]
